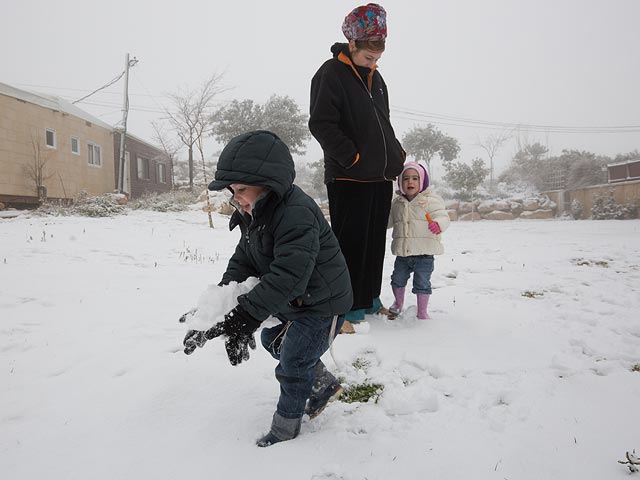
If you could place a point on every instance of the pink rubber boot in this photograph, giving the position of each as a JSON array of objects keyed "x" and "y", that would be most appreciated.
[
  {"x": 423, "y": 302},
  {"x": 396, "y": 308}
]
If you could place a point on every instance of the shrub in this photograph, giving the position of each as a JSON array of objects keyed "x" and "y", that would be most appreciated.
[
  {"x": 175, "y": 201},
  {"x": 606, "y": 208},
  {"x": 101, "y": 206},
  {"x": 84, "y": 205},
  {"x": 576, "y": 209}
]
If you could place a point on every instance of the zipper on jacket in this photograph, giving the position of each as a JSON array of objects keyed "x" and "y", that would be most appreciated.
[{"x": 375, "y": 111}]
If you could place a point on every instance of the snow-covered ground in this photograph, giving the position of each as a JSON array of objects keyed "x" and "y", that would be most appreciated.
[{"x": 523, "y": 372}]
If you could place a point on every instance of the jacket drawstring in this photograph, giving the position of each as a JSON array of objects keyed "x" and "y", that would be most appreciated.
[{"x": 283, "y": 334}]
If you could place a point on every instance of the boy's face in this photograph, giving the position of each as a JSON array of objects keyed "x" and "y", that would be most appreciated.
[
  {"x": 246, "y": 195},
  {"x": 410, "y": 183}
]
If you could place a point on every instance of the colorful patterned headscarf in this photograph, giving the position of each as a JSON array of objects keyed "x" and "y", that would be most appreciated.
[{"x": 367, "y": 22}]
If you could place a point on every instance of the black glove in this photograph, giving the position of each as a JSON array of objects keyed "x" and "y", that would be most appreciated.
[
  {"x": 238, "y": 327},
  {"x": 197, "y": 338}
]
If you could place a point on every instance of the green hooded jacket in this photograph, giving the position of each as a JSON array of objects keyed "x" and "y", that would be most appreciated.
[{"x": 287, "y": 243}]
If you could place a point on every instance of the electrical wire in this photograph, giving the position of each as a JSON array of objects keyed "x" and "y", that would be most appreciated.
[
  {"x": 399, "y": 112},
  {"x": 102, "y": 88},
  {"x": 470, "y": 122}
]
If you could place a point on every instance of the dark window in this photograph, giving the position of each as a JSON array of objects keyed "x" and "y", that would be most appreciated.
[
  {"x": 143, "y": 168},
  {"x": 634, "y": 169},
  {"x": 75, "y": 145},
  {"x": 94, "y": 154},
  {"x": 50, "y": 137},
  {"x": 162, "y": 173}
]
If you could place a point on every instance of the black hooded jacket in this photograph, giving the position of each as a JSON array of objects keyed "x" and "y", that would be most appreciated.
[
  {"x": 287, "y": 243},
  {"x": 349, "y": 116}
]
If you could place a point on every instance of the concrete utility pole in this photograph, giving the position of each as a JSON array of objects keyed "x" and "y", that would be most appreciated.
[{"x": 125, "y": 114}]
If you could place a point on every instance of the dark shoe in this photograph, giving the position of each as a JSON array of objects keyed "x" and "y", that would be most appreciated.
[{"x": 317, "y": 404}]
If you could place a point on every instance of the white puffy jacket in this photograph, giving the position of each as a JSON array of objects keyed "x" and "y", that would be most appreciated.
[{"x": 411, "y": 235}]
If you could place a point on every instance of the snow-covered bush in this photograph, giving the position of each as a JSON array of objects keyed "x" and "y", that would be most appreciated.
[
  {"x": 576, "y": 209},
  {"x": 175, "y": 201},
  {"x": 84, "y": 205},
  {"x": 101, "y": 206},
  {"x": 606, "y": 208}
]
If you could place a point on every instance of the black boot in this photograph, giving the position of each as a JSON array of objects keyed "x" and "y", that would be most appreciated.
[{"x": 326, "y": 388}]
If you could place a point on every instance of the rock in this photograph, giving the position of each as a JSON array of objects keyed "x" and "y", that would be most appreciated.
[
  {"x": 491, "y": 205},
  {"x": 226, "y": 209},
  {"x": 537, "y": 214},
  {"x": 470, "y": 217},
  {"x": 203, "y": 196},
  {"x": 452, "y": 204},
  {"x": 465, "y": 207},
  {"x": 499, "y": 215},
  {"x": 530, "y": 204},
  {"x": 453, "y": 215}
]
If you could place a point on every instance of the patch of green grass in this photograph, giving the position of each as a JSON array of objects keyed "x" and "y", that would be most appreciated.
[
  {"x": 636, "y": 368},
  {"x": 361, "y": 364},
  {"x": 362, "y": 393}
]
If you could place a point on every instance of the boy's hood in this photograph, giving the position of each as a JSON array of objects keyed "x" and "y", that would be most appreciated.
[{"x": 255, "y": 158}]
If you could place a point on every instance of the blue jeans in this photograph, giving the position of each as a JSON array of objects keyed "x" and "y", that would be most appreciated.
[
  {"x": 298, "y": 346},
  {"x": 420, "y": 265}
]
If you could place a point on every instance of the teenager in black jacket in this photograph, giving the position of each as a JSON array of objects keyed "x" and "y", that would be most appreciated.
[{"x": 349, "y": 116}]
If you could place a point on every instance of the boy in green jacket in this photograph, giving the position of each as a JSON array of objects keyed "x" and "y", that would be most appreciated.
[{"x": 287, "y": 243}]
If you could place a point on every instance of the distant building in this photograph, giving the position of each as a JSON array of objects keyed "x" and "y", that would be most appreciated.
[
  {"x": 50, "y": 148},
  {"x": 147, "y": 168},
  {"x": 624, "y": 171}
]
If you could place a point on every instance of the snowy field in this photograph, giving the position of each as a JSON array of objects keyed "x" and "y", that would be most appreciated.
[{"x": 524, "y": 371}]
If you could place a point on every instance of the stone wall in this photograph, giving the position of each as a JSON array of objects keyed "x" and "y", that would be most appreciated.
[{"x": 502, "y": 209}]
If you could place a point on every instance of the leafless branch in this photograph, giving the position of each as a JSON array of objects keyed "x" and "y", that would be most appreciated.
[{"x": 632, "y": 461}]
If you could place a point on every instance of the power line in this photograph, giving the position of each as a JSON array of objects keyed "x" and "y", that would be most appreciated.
[
  {"x": 101, "y": 88},
  {"x": 470, "y": 122},
  {"x": 403, "y": 113},
  {"x": 49, "y": 87}
]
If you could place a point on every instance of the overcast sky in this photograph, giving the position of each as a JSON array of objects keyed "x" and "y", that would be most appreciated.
[{"x": 471, "y": 67}]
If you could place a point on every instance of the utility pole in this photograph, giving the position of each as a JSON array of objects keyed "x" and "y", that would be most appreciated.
[{"x": 125, "y": 114}]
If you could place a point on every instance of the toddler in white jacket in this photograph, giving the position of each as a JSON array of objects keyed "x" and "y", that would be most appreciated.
[{"x": 418, "y": 217}]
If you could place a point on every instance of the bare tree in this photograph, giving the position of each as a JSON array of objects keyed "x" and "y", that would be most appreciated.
[
  {"x": 169, "y": 146},
  {"x": 199, "y": 143},
  {"x": 491, "y": 144},
  {"x": 192, "y": 111},
  {"x": 36, "y": 171}
]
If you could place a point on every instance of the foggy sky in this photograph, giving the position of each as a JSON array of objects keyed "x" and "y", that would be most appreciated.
[{"x": 471, "y": 67}]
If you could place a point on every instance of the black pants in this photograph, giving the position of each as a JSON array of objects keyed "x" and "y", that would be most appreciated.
[{"x": 359, "y": 214}]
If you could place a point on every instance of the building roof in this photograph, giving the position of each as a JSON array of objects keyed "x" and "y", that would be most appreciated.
[{"x": 51, "y": 102}]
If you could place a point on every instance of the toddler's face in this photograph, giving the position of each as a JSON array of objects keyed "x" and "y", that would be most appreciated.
[
  {"x": 246, "y": 195},
  {"x": 410, "y": 183}
]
